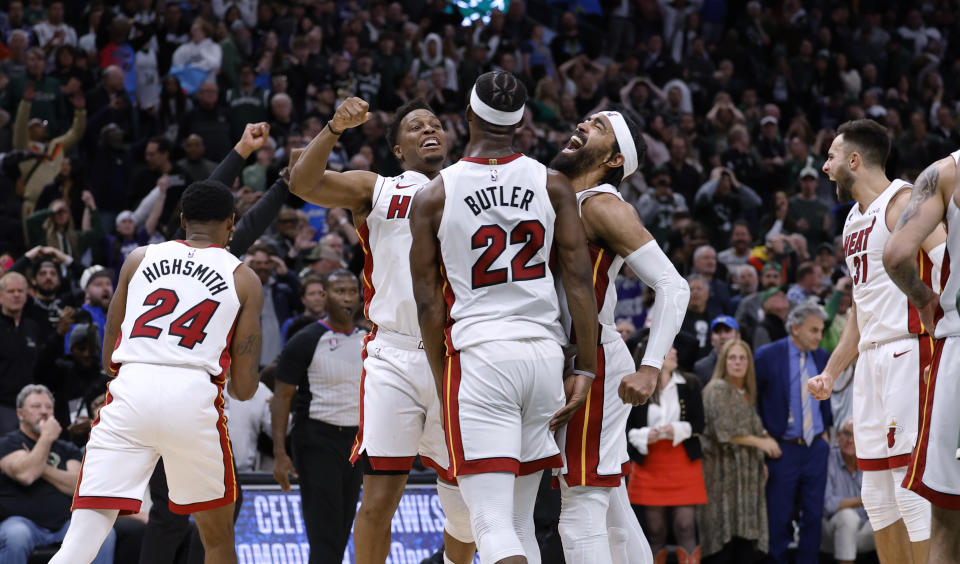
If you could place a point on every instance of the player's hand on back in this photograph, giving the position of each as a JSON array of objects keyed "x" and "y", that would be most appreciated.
[
  {"x": 351, "y": 113},
  {"x": 637, "y": 388},
  {"x": 821, "y": 386},
  {"x": 576, "y": 387},
  {"x": 283, "y": 470}
]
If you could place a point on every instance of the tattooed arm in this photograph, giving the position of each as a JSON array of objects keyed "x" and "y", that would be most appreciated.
[
  {"x": 921, "y": 217},
  {"x": 245, "y": 347}
]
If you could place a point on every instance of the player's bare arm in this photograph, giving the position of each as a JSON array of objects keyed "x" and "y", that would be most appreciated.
[
  {"x": 895, "y": 210},
  {"x": 118, "y": 308},
  {"x": 921, "y": 217},
  {"x": 428, "y": 282},
  {"x": 279, "y": 416},
  {"x": 245, "y": 347},
  {"x": 821, "y": 386},
  {"x": 311, "y": 180},
  {"x": 570, "y": 243},
  {"x": 617, "y": 225}
]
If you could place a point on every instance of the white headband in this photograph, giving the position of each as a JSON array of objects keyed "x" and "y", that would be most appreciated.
[
  {"x": 625, "y": 140},
  {"x": 491, "y": 115}
]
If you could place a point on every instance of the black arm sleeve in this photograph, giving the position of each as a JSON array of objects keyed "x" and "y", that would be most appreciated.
[
  {"x": 229, "y": 168},
  {"x": 258, "y": 217},
  {"x": 298, "y": 354}
]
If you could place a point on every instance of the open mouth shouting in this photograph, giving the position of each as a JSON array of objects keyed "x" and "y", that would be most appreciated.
[
  {"x": 431, "y": 142},
  {"x": 577, "y": 141}
]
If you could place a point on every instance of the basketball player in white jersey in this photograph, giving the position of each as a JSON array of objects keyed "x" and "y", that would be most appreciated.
[
  {"x": 482, "y": 238},
  {"x": 185, "y": 316},
  {"x": 597, "y": 524},
  {"x": 399, "y": 407},
  {"x": 934, "y": 468},
  {"x": 894, "y": 347}
]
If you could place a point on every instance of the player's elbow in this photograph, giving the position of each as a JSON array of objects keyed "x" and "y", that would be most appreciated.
[{"x": 895, "y": 255}]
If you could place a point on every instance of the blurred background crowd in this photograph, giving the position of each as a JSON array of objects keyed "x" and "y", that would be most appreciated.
[{"x": 109, "y": 109}]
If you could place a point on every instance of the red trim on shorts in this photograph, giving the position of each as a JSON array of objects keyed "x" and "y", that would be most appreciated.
[
  {"x": 76, "y": 490},
  {"x": 358, "y": 442},
  {"x": 493, "y": 161},
  {"x": 440, "y": 470},
  {"x": 531, "y": 466},
  {"x": 942, "y": 500},
  {"x": 583, "y": 434},
  {"x": 874, "y": 464},
  {"x": 451, "y": 416},
  {"x": 229, "y": 475},
  {"x": 918, "y": 460},
  {"x": 391, "y": 463},
  {"x": 126, "y": 505}
]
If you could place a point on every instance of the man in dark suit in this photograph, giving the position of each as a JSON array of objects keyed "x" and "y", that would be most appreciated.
[{"x": 799, "y": 423}]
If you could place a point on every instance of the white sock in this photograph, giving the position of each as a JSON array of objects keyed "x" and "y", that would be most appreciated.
[{"x": 88, "y": 529}]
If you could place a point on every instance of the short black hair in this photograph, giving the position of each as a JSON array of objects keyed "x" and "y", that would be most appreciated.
[
  {"x": 308, "y": 281},
  {"x": 207, "y": 200},
  {"x": 868, "y": 138},
  {"x": 163, "y": 144},
  {"x": 615, "y": 176},
  {"x": 393, "y": 129},
  {"x": 501, "y": 90}
]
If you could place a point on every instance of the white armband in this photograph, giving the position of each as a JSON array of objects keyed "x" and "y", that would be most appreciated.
[{"x": 654, "y": 269}]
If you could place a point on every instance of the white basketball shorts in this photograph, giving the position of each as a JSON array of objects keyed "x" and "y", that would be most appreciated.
[
  {"x": 594, "y": 442},
  {"x": 155, "y": 411},
  {"x": 498, "y": 400},
  {"x": 886, "y": 399},
  {"x": 399, "y": 407},
  {"x": 934, "y": 471}
]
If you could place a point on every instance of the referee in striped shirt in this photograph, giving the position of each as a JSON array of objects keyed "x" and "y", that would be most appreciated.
[{"x": 321, "y": 366}]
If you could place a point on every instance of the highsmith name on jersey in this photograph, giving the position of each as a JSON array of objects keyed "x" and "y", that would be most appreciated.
[{"x": 181, "y": 308}]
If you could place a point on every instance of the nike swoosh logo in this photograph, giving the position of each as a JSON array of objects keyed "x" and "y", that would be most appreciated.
[
  {"x": 898, "y": 355},
  {"x": 402, "y": 187}
]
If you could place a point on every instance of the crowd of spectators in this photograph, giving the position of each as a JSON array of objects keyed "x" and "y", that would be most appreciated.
[{"x": 109, "y": 109}]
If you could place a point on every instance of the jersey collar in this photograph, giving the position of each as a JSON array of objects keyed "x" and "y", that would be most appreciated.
[{"x": 493, "y": 162}]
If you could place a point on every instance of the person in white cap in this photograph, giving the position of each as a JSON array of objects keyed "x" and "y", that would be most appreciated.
[
  {"x": 483, "y": 232},
  {"x": 597, "y": 524}
]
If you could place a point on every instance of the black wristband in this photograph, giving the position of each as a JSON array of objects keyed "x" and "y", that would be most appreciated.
[{"x": 334, "y": 131}]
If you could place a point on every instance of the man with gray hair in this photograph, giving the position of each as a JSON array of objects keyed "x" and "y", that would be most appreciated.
[
  {"x": 38, "y": 473},
  {"x": 846, "y": 529},
  {"x": 798, "y": 422}
]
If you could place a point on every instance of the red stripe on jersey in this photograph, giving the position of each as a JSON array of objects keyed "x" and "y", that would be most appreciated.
[
  {"x": 114, "y": 367},
  {"x": 363, "y": 232},
  {"x": 494, "y": 161},
  {"x": 449, "y": 297},
  {"x": 583, "y": 433},
  {"x": 225, "y": 358},
  {"x": 925, "y": 268},
  {"x": 358, "y": 441},
  {"x": 602, "y": 260},
  {"x": 229, "y": 474}
]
